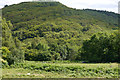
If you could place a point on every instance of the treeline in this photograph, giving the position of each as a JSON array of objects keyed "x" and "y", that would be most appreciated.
[
  {"x": 51, "y": 31},
  {"x": 12, "y": 51},
  {"x": 100, "y": 47}
]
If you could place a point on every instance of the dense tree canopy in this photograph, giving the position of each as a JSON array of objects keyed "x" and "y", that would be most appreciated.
[
  {"x": 51, "y": 31},
  {"x": 101, "y": 48}
]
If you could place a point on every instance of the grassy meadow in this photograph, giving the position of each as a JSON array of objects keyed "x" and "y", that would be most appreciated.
[{"x": 59, "y": 69}]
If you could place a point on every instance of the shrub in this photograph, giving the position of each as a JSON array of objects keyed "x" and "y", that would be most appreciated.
[
  {"x": 4, "y": 62},
  {"x": 44, "y": 56}
]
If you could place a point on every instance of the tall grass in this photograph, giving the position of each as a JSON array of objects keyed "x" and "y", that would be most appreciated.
[{"x": 77, "y": 70}]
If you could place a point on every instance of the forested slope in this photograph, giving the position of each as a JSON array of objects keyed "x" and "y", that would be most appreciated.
[{"x": 52, "y": 31}]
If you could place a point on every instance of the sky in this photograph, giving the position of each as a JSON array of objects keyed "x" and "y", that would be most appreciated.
[{"x": 108, "y": 5}]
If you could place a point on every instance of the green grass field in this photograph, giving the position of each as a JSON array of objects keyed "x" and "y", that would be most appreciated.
[{"x": 32, "y": 69}]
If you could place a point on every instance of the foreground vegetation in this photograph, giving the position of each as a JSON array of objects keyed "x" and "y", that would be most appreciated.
[
  {"x": 30, "y": 33},
  {"x": 61, "y": 69},
  {"x": 51, "y": 31},
  {"x": 101, "y": 47}
]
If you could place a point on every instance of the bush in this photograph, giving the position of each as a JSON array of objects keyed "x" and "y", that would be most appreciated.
[
  {"x": 44, "y": 56},
  {"x": 4, "y": 63},
  {"x": 56, "y": 56},
  {"x": 13, "y": 56},
  {"x": 35, "y": 55}
]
